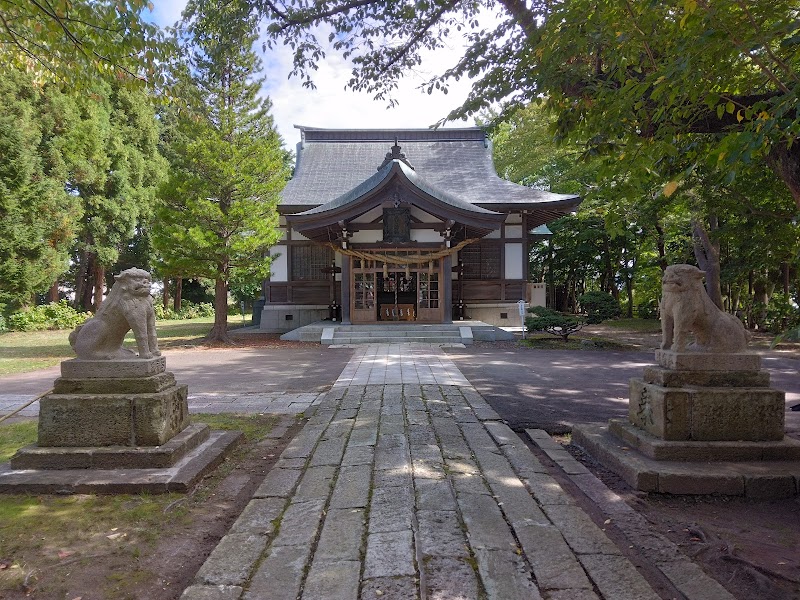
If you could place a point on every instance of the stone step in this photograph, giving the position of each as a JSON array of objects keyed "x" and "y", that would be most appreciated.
[{"x": 387, "y": 339}]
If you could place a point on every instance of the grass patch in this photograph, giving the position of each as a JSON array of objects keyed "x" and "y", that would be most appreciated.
[
  {"x": 574, "y": 343},
  {"x": 23, "y": 351},
  {"x": 14, "y": 436},
  {"x": 40, "y": 536},
  {"x": 637, "y": 325}
]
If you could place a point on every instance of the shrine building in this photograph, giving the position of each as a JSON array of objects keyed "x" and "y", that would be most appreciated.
[{"x": 403, "y": 225}]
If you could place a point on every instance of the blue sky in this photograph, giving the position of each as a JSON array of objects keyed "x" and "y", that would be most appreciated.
[{"x": 330, "y": 105}]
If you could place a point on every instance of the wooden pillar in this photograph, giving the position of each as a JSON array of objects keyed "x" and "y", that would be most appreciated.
[
  {"x": 346, "y": 264},
  {"x": 447, "y": 286}
]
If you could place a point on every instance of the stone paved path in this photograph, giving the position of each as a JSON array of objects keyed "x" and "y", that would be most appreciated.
[{"x": 406, "y": 484}]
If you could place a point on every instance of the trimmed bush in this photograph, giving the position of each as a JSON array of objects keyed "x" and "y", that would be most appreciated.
[
  {"x": 189, "y": 310},
  {"x": 57, "y": 315},
  {"x": 553, "y": 322},
  {"x": 599, "y": 307}
]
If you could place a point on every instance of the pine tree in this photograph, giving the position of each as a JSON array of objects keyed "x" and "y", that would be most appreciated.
[{"x": 227, "y": 166}]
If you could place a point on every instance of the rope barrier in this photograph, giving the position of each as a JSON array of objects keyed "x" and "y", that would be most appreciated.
[
  {"x": 24, "y": 406},
  {"x": 390, "y": 259}
]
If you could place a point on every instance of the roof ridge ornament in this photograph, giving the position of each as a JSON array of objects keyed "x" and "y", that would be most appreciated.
[{"x": 395, "y": 154}]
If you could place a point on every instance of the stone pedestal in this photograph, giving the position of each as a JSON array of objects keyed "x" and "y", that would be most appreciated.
[
  {"x": 115, "y": 426},
  {"x": 701, "y": 423},
  {"x": 113, "y": 403},
  {"x": 701, "y": 400}
]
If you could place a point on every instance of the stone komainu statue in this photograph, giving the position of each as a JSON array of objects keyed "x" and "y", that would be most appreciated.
[
  {"x": 686, "y": 308},
  {"x": 127, "y": 306}
]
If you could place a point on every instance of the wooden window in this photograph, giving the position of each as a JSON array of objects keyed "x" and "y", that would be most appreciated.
[
  {"x": 308, "y": 262},
  {"x": 481, "y": 260}
]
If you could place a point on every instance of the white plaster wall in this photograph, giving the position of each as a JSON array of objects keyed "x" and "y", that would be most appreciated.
[
  {"x": 424, "y": 216},
  {"x": 280, "y": 265},
  {"x": 513, "y": 266},
  {"x": 298, "y": 236},
  {"x": 367, "y": 236},
  {"x": 513, "y": 231},
  {"x": 425, "y": 235},
  {"x": 492, "y": 235},
  {"x": 514, "y": 218},
  {"x": 369, "y": 216}
]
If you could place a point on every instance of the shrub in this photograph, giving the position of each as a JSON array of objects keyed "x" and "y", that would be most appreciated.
[
  {"x": 189, "y": 310},
  {"x": 647, "y": 310},
  {"x": 553, "y": 322},
  {"x": 57, "y": 315},
  {"x": 599, "y": 306},
  {"x": 781, "y": 314}
]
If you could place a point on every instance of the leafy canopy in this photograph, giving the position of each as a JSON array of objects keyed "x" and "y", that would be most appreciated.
[
  {"x": 627, "y": 79},
  {"x": 74, "y": 41}
]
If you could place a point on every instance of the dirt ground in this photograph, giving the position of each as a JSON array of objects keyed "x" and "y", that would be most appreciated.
[{"x": 150, "y": 565}]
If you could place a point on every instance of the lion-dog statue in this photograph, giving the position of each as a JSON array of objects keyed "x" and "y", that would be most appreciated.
[
  {"x": 127, "y": 306},
  {"x": 686, "y": 308}
]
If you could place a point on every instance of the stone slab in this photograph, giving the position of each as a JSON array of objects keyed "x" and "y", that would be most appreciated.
[
  {"x": 77, "y": 368},
  {"x": 756, "y": 479},
  {"x": 112, "y": 457},
  {"x": 82, "y": 420},
  {"x": 702, "y": 361},
  {"x": 129, "y": 385},
  {"x": 672, "y": 378},
  {"x": 181, "y": 477},
  {"x": 659, "y": 449}
]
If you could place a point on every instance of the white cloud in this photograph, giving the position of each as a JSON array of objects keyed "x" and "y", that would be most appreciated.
[{"x": 330, "y": 105}]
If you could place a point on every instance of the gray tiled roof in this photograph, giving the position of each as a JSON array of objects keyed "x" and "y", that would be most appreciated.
[
  {"x": 456, "y": 162},
  {"x": 379, "y": 176}
]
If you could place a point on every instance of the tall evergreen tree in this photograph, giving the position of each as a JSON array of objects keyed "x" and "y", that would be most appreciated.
[
  {"x": 115, "y": 168},
  {"x": 38, "y": 218},
  {"x": 218, "y": 215}
]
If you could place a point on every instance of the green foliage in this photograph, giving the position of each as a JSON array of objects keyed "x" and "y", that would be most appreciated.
[
  {"x": 74, "y": 41},
  {"x": 115, "y": 169},
  {"x": 599, "y": 306},
  {"x": 782, "y": 314},
  {"x": 553, "y": 322},
  {"x": 188, "y": 310},
  {"x": 219, "y": 214},
  {"x": 38, "y": 218},
  {"x": 57, "y": 315}
]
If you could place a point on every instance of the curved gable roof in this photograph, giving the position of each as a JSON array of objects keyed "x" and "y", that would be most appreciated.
[
  {"x": 455, "y": 163},
  {"x": 367, "y": 195}
]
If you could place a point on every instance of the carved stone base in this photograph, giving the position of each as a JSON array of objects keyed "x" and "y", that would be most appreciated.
[
  {"x": 701, "y": 424},
  {"x": 707, "y": 413},
  {"x": 113, "y": 419}
]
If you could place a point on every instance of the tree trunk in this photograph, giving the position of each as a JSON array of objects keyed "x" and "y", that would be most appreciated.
[
  {"x": 52, "y": 293},
  {"x": 661, "y": 244},
  {"x": 99, "y": 284},
  {"x": 87, "y": 292},
  {"x": 178, "y": 300},
  {"x": 706, "y": 251},
  {"x": 219, "y": 332},
  {"x": 785, "y": 161},
  {"x": 165, "y": 294}
]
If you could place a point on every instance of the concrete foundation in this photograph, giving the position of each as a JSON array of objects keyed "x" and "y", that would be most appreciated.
[{"x": 280, "y": 318}]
